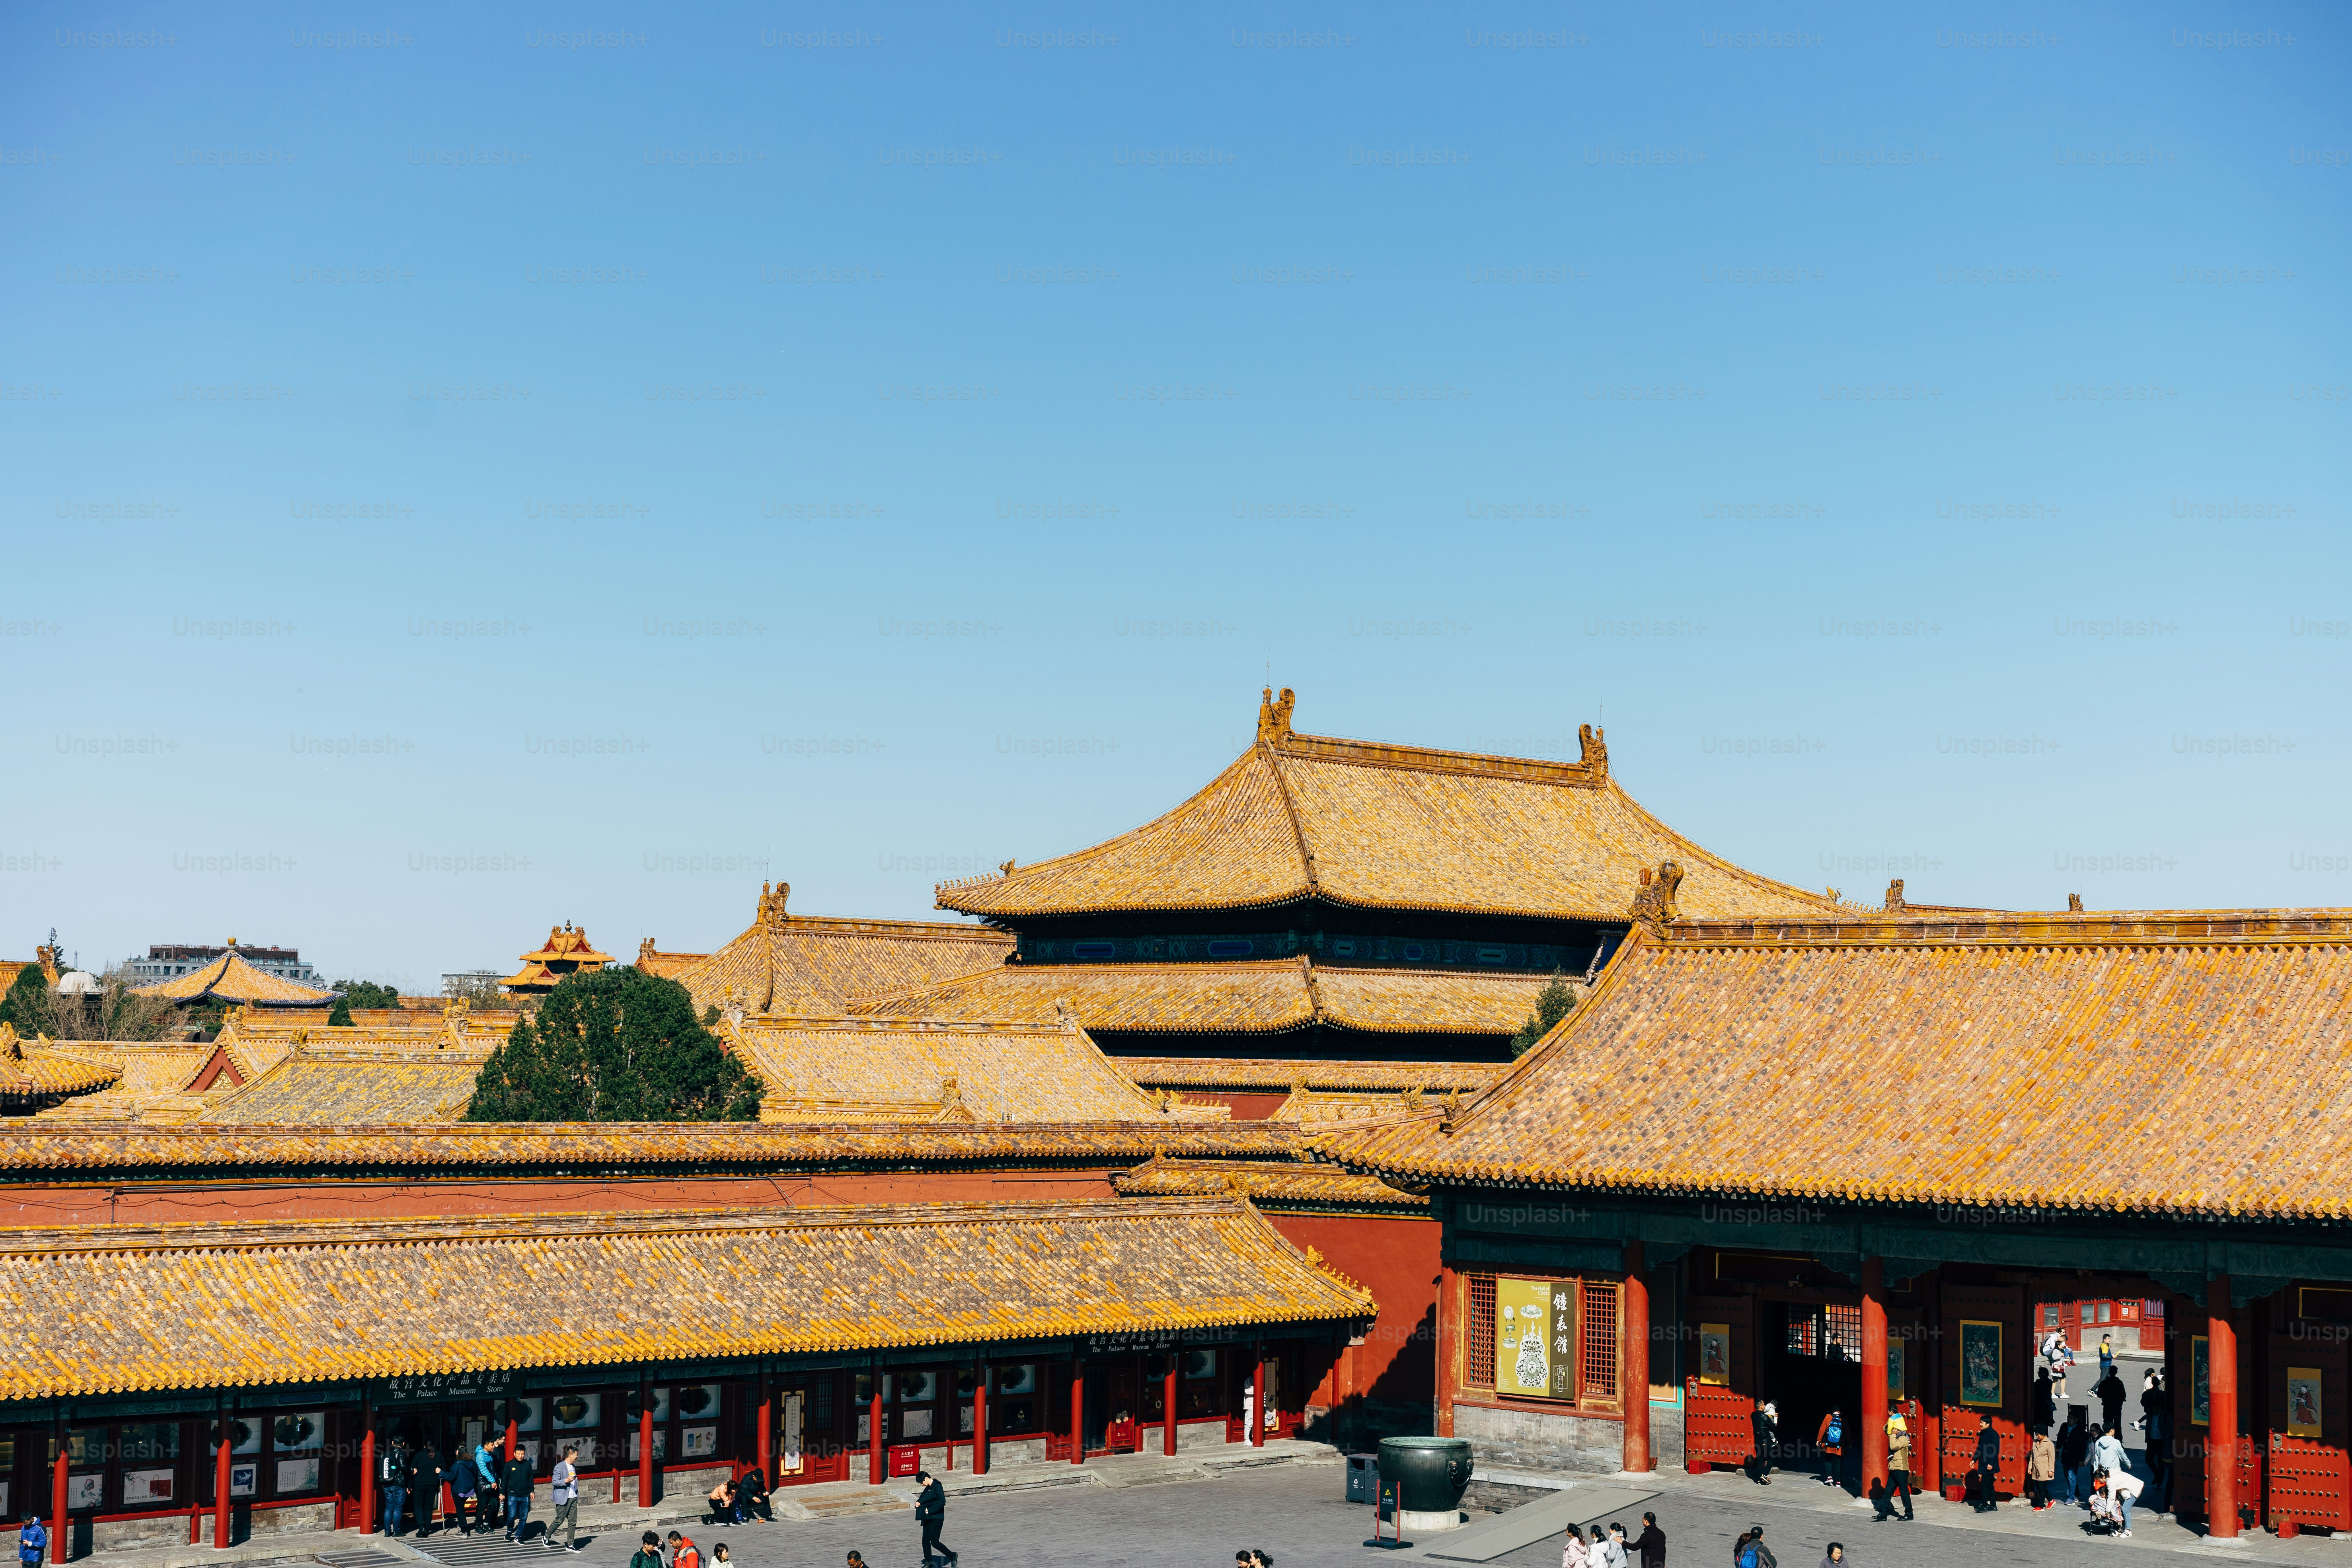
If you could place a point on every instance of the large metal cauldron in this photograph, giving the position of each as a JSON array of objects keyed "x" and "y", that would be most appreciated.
[{"x": 1430, "y": 1473}]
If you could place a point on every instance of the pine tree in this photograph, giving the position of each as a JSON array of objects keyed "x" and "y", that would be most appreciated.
[
  {"x": 1553, "y": 1003},
  {"x": 338, "y": 1016},
  {"x": 28, "y": 1003},
  {"x": 614, "y": 1045}
]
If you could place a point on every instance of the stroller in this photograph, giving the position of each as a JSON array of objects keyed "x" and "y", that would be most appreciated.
[{"x": 2107, "y": 1513}]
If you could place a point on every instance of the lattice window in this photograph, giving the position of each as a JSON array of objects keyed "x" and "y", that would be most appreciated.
[
  {"x": 1599, "y": 1341},
  {"x": 1478, "y": 1371}
]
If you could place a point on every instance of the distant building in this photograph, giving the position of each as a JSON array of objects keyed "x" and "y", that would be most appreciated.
[
  {"x": 566, "y": 951},
  {"x": 168, "y": 960},
  {"x": 458, "y": 982}
]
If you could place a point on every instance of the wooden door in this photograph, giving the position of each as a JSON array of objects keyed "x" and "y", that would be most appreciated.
[
  {"x": 1721, "y": 1387},
  {"x": 1985, "y": 1373}
]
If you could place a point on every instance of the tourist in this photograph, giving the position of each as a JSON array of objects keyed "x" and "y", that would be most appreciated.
[
  {"x": 395, "y": 1488},
  {"x": 855, "y": 1561},
  {"x": 2074, "y": 1453},
  {"x": 2110, "y": 1389},
  {"x": 1597, "y": 1555},
  {"x": 1651, "y": 1543},
  {"x": 32, "y": 1542},
  {"x": 486, "y": 1467},
  {"x": 2041, "y": 1467},
  {"x": 683, "y": 1552},
  {"x": 2156, "y": 1419},
  {"x": 2106, "y": 1356},
  {"x": 1762, "y": 1428},
  {"x": 2107, "y": 1452},
  {"x": 2041, "y": 1403},
  {"x": 648, "y": 1554},
  {"x": 931, "y": 1513},
  {"x": 751, "y": 1498},
  {"x": 516, "y": 1484},
  {"x": 1834, "y": 1555},
  {"x": 563, "y": 1490},
  {"x": 1612, "y": 1555},
  {"x": 722, "y": 1503},
  {"x": 720, "y": 1557},
  {"x": 1741, "y": 1557},
  {"x": 1987, "y": 1468},
  {"x": 1830, "y": 1439},
  {"x": 465, "y": 1486},
  {"x": 1898, "y": 1464},
  {"x": 2125, "y": 1488},
  {"x": 1749, "y": 1551},
  {"x": 1571, "y": 1552},
  {"x": 2058, "y": 1355}
]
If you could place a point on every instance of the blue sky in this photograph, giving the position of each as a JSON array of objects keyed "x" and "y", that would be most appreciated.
[{"x": 464, "y": 472}]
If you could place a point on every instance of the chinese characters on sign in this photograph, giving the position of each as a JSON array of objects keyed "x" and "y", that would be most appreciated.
[{"x": 1535, "y": 1328}]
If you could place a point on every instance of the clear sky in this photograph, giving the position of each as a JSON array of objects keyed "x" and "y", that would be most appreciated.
[{"x": 466, "y": 468}]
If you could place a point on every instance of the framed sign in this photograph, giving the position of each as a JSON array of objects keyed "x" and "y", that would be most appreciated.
[
  {"x": 2200, "y": 1379},
  {"x": 1895, "y": 1366},
  {"x": 437, "y": 1385},
  {"x": 242, "y": 1481},
  {"x": 296, "y": 1476},
  {"x": 1535, "y": 1333},
  {"x": 795, "y": 1420},
  {"x": 141, "y": 1488},
  {"x": 698, "y": 1442},
  {"x": 1715, "y": 1353},
  {"x": 1981, "y": 1362},
  {"x": 2302, "y": 1401}
]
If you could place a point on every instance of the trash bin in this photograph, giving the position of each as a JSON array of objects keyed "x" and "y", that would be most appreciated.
[{"x": 1363, "y": 1477}]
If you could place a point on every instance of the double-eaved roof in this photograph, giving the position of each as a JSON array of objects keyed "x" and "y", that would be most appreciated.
[
  {"x": 1262, "y": 996},
  {"x": 216, "y": 1306},
  {"x": 814, "y": 963},
  {"x": 2194, "y": 1062},
  {"x": 869, "y": 1069},
  {"x": 1385, "y": 827}
]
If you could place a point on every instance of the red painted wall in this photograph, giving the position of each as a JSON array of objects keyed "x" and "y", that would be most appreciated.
[{"x": 1397, "y": 1261}]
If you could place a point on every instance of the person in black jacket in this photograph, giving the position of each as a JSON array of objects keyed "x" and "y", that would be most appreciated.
[
  {"x": 516, "y": 1482},
  {"x": 1987, "y": 1468},
  {"x": 1650, "y": 1545},
  {"x": 752, "y": 1497},
  {"x": 2110, "y": 1389},
  {"x": 931, "y": 1513},
  {"x": 1761, "y": 1427}
]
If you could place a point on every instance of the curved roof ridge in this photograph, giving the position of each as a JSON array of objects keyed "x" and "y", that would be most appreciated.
[{"x": 1691, "y": 846}]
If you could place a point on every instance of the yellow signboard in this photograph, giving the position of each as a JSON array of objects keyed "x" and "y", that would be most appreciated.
[{"x": 1535, "y": 1334}]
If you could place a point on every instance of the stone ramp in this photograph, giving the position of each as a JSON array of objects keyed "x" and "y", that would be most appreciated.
[{"x": 1584, "y": 1503}]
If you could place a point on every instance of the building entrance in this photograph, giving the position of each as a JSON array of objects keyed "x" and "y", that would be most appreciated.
[{"x": 1808, "y": 1364}]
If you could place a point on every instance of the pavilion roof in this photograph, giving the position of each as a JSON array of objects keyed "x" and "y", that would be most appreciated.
[
  {"x": 1259, "y": 996},
  {"x": 41, "y": 1067},
  {"x": 211, "y": 1305},
  {"x": 1277, "y": 1182},
  {"x": 1279, "y": 1074},
  {"x": 2186, "y": 1062},
  {"x": 395, "y": 1082},
  {"x": 1386, "y": 826},
  {"x": 229, "y": 978},
  {"x": 815, "y": 963},
  {"x": 823, "y": 1069}
]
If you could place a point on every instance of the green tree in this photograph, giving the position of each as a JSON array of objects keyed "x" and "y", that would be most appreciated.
[
  {"x": 29, "y": 1004},
  {"x": 614, "y": 1045},
  {"x": 338, "y": 1016},
  {"x": 1553, "y": 1003},
  {"x": 366, "y": 993}
]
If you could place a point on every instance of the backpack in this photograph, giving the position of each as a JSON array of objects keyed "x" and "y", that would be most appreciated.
[
  {"x": 1748, "y": 1555},
  {"x": 1836, "y": 1433}
]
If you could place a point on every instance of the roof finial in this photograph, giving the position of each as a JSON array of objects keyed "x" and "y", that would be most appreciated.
[
  {"x": 1593, "y": 749},
  {"x": 2073, "y": 903},
  {"x": 771, "y": 902},
  {"x": 1654, "y": 902},
  {"x": 1895, "y": 895},
  {"x": 1274, "y": 715}
]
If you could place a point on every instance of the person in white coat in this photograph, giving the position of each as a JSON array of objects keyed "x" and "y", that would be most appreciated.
[{"x": 2125, "y": 1488}]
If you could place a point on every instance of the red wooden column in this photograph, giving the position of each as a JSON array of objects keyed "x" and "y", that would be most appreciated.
[
  {"x": 878, "y": 1451},
  {"x": 1871, "y": 1416},
  {"x": 367, "y": 1471},
  {"x": 2221, "y": 1426},
  {"x": 1634, "y": 1360},
  {"x": 1168, "y": 1404},
  {"x": 645, "y": 1443},
  {"x": 1257, "y": 1394},
  {"x": 767, "y": 1453},
  {"x": 1077, "y": 1412},
  {"x": 60, "y": 1536},
  {"x": 1448, "y": 1354},
  {"x": 220, "y": 1487},
  {"x": 1927, "y": 1431},
  {"x": 980, "y": 1417}
]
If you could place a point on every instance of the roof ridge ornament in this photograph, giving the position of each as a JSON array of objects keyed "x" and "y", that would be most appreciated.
[
  {"x": 1895, "y": 904},
  {"x": 1274, "y": 716},
  {"x": 2073, "y": 903},
  {"x": 1653, "y": 901},
  {"x": 1593, "y": 750},
  {"x": 772, "y": 903}
]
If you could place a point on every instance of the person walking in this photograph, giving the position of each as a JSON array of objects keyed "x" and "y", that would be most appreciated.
[
  {"x": 2106, "y": 1356},
  {"x": 2107, "y": 1452},
  {"x": 1749, "y": 1551},
  {"x": 1613, "y": 1554},
  {"x": 1762, "y": 1428},
  {"x": 931, "y": 1513},
  {"x": 1572, "y": 1554},
  {"x": 2041, "y": 1467},
  {"x": 563, "y": 1490},
  {"x": 1898, "y": 1463},
  {"x": 1987, "y": 1468},
  {"x": 2074, "y": 1453},
  {"x": 1650, "y": 1545},
  {"x": 2110, "y": 1389},
  {"x": 648, "y": 1554},
  {"x": 1834, "y": 1555},
  {"x": 32, "y": 1540},
  {"x": 395, "y": 1479},
  {"x": 486, "y": 1485},
  {"x": 2057, "y": 1356},
  {"x": 427, "y": 1488},
  {"x": 514, "y": 1484},
  {"x": 683, "y": 1552},
  {"x": 2156, "y": 1419},
  {"x": 2041, "y": 1403},
  {"x": 1829, "y": 1438},
  {"x": 465, "y": 1486}
]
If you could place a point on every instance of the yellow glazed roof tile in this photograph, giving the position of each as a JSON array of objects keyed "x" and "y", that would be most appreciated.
[
  {"x": 1388, "y": 826},
  {"x": 207, "y": 1306},
  {"x": 1279, "y": 1074},
  {"x": 816, "y": 964},
  {"x": 1935, "y": 1060},
  {"x": 229, "y": 978}
]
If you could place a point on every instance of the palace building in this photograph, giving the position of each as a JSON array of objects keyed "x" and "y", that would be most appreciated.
[
  {"x": 229, "y": 979},
  {"x": 1340, "y": 900},
  {"x": 1859, "y": 1162},
  {"x": 812, "y": 965},
  {"x": 566, "y": 951}
]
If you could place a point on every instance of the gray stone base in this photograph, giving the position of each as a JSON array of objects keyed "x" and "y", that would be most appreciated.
[
  {"x": 1413, "y": 1523},
  {"x": 1540, "y": 1439},
  {"x": 1666, "y": 1437}
]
